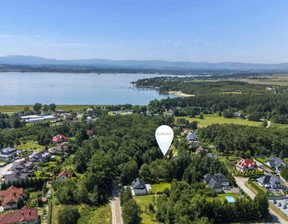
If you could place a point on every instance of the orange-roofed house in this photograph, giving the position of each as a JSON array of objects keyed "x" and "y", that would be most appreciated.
[
  {"x": 64, "y": 175},
  {"x": 23, "y": 216},
  {"x": 59, "y": 138},
  {"x": 10, "y": 196},
  {"x": 246, "y": 165}
]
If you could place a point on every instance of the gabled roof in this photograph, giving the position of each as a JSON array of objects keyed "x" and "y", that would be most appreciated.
[
  {"x": 17, "y": 175},
  {"x": 24, "y": 214},
  {"x": 274, "y": 161},
  {"x": 137, "y": 182},
  {"x": 11, "y": 194},
  {"x": 59, "y": 138},
  {"x": 268, "y": 179},
  {"x": 215, "y": 181},
  {"x": 66, "y": 173},
  {"x": 246, "y": 163}
]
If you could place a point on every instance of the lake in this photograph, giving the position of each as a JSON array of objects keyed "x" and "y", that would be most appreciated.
[{"x": 18, "y": 88}]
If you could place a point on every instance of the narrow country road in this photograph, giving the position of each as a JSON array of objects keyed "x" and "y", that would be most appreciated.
[
  {"x": 115, "y": 205},
  {"x": 241, "y": 183}
]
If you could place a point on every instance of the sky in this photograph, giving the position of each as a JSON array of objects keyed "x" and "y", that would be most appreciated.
[{"x": 253, "y": 31}]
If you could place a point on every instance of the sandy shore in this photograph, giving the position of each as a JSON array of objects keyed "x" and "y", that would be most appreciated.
[{"x": 179, "y": 93}]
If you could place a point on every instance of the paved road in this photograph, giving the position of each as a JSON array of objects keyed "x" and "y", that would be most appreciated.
[
  {"x": 241, "y": 183},
  {"x": 115, "y": 205}
]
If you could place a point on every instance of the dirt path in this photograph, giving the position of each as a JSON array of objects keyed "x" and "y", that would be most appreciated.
[
  {"x": 115, "y": 205},
  {"x": 268, "y": 124},
  {"x": 241, "y": 183}
]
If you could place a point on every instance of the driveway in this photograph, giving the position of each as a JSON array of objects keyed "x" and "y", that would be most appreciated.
[{"x": 241, "y": 183}]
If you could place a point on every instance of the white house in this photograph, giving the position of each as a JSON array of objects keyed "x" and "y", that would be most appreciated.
[{"x": 138, "y": 187}]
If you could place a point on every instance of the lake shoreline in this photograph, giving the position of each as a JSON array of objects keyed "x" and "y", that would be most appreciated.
[{"x": 179, "y": 93}]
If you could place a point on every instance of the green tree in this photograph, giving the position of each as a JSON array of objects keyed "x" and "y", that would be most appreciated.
[
  {"x": 52, "y": 106},
  {"x": 68, "y": 215},
  {"x": 20, "y": 203},
  {"x": 131, "y": 212},
  {"x": 45, "y": 107},
  {"x": 37, "y": 107}
]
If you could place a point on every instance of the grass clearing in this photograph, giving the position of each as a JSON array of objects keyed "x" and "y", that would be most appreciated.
[
  {"x": 55, "y": 210},
  {"x": 96, "y": 215},
  {"x": 30, "y": 146},
  {"x": 159, "y": 187},
  {"x": 143, "y": 202},
  {"x": 215, "y": 119}
]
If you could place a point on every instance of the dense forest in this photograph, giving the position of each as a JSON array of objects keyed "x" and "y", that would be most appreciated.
[{"x": 239, "y": 140}]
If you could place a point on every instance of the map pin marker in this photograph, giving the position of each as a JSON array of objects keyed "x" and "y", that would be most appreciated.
[{"x": 164, "y": 137}]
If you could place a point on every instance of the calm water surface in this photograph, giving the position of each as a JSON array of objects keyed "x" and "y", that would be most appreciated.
[{"x": 18, "y": 88}]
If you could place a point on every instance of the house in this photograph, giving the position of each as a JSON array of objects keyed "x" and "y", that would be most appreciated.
[
  {"x": 24, "y": 216},
  {"x": 42, "y": 156},
  {"x": 191, "y": 136},
  {"x": 217, "y": 181},
  {"x": 7, "y": 154},
  {"x": 275, "y": 163},
  {"x": 14, "y": 176},
  {"x": 237, "y": 114},
  {"x": 61, "y": 148},
  {"x": 187, "y": 130},
  {"x": 64, "y": 175},
  {"x": 138, "y": 187},
  {"x": 10, "y": 196},
  {"x": 269, "y": 181},
  {"x": 59, "y": 138},
  {"x": 89, "y": 132},
  {"x": 44, "y": 113},
  {"x": 25, "y": 166},
  {"x": 212, "y": 155},
  {"x": 246, "y": 165},
  {"x": 201, "y": 149}
]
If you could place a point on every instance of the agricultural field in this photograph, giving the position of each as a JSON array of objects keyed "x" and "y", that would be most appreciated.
[{"x": 215, "y": 119}]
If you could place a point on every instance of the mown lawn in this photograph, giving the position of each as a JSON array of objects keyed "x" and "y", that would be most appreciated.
[
  {"x": 223, "y": 196},
  {"x": 159, "y": 187},
  {"x": 30, "y": 146},
  {"x": 215, "y": 119},
  {"x": 143, "y": 202}
]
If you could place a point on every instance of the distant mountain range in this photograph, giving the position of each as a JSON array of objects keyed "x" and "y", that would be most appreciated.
[{"x": 134, "y": 64}]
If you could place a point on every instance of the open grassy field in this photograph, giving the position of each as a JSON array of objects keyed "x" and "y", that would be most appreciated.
[
  {"x": 100, "y": 215},
  {"x": 215, "y": 119},
  {"x": 31, "y": 146},
  {"x": 18, "y": 108},
  {"x": 143, "y": 202},
  {"x": 159, "y": 187}
]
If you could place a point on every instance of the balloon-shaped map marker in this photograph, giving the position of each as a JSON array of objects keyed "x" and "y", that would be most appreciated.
[{"x": 164, "y": 137}]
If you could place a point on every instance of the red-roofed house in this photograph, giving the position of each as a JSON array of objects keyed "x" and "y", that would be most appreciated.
[
  {"x": 59, "y": 138},
  {"x": 10, "y": 196},
  {"x": 187, "y": 130},
  {"x": 89, "y": 132},
  {"x": 65, "y": 174},
  {"x": 23, "y": 216},
  {"x": 246, "y": 165}
]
